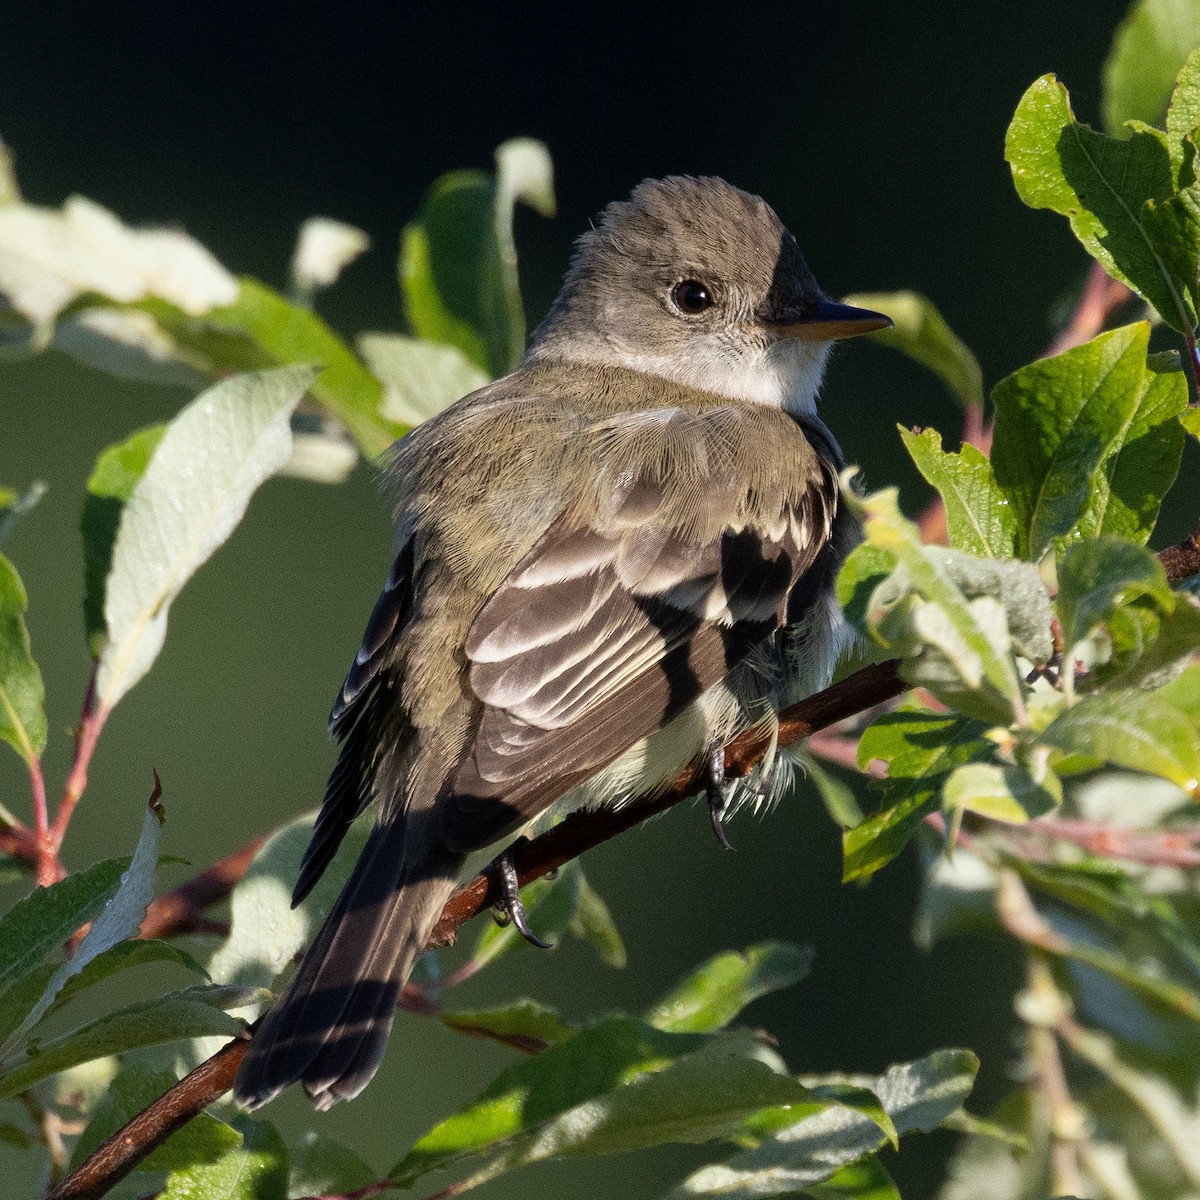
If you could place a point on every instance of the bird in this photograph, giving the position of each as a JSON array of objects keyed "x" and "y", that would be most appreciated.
[{"x": 608, "y": 563}]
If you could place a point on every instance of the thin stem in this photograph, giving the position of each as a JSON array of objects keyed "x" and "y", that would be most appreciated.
[
  {"x": 91, "y": 723},
  {"x": 48, "y": 869},
  {"x": 1193, "y": 357}
]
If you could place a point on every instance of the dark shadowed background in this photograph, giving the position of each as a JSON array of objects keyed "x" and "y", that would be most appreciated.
[{"x": 878, "y": 136}]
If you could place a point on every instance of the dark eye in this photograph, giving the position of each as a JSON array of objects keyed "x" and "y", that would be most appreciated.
[{"x": 692, "y": 297}]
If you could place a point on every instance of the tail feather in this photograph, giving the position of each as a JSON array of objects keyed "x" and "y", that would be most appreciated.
[{"x": 329, "y": 1028}]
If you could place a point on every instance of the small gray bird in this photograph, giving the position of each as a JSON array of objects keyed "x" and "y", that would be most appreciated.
[{"x": 609, "y": 562}]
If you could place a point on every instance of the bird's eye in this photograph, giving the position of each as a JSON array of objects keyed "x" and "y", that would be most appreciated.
[{"x": 692, "y": 297}]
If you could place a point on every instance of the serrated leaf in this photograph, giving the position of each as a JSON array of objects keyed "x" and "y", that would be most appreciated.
[
  {"x": 716, "y": 992},
  {"x": 920, "y": 749},
  {"x": 120, "y": 919},
  {"x": 524, "y": 1024},
  {"x": 458, "y": 261},
  {"x": 957, "y": 647},
  {"x": 419, "y": 378},
  {"x": 979, "y": 517},
  {"x": 123, "y": 956},
  {"x": 319, "y": 1166},
  {"x": 1149, "y": 47},
  {"x": 116, "y": 473},
  {"x": 256, "y": 1170},
  {"x": 189, "y": 499},
  {"x": 1138, "y": 730},
  {"x": 919, "y": 1095},
  {"x": 921, "y": 332},
  {"x": 616, "y": 1087},
  {"x": 1101, "y": 185},
  {"x": 46, "y": 918},
  {"x": 22, "y": 715},
  {"x": 203, "y": 1139},
  {"x": 1086, "y": 442},
  {"x": 193, "y": 1012}
]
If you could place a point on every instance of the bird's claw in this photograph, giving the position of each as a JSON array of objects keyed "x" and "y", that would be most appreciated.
[
  {"x": 718, "y": 800},
  {"x": 510, "y": 908}
]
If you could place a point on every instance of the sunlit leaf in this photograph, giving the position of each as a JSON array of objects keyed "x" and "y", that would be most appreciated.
[
  {"x": 1101, "y": 185},
  {"x": 524, "y": 1024},
  {"x": 717, "y": 991},
  {"x": 979, "y": 516},
  {"x": 191, "y": 496},
  {"x": 419, "y": 378},
  {"x": 1086, "y": 442},
  {"x": 256, "y": 1170},
  {"x": 918, "y": 1095}
]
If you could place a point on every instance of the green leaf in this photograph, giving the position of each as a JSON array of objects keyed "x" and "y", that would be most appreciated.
[
  {"x": 22, "y": 715},
  {"x": 134, "y": 953},
  {"x": 112, "y": 481},
  {"x": 1139, "y": 730},
  {"x": 458, "y": 264},
  {"x": 920, "y": 748},
  {"x": 288, "y": 334},
  {"x": 120, "y": 919},
  {"x": 419, "y": 378},
  {"x": 838, "y": 799},
  {"x": 1016, "y": 1169},
  {"x": 863, "y": 1180},
  {"x": 319, "y": 1166},
  {"x": 979, "y": 517},
  {"x": 1149, "y": 47},
  {"x": 190, "y": 498},
  {"x": 709, "y": 998},
  {"x": 193, "y": 1012},
  {"x": 1101, "y": 185},
  {"x": 256, "y": 1170},
  {"x": 1001, "y": 793},
  {"x": 46, "y": 918},
  {"x": 919, "y": 1095},
  {"x": 203, "y": 1139},
  {"x": 959, "y": 649},
  {"x": 1086, "y": 442},
  {"x": 565, "y": 904},
  {"x": 1173, "y": 226},
  {"x": 523, "y": 1024},
  {"x": 1099, "y": 575},
  {"x": 616, "y": 1087},
  {"x": 921, "y": 332},
  {"x": 265, "y": 931}
]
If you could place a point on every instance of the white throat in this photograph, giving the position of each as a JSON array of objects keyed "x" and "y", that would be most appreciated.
[{"x": 784, "y": 374}]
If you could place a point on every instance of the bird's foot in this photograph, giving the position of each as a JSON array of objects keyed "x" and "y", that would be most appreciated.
[
  {"x": 510, "y": 908},
  {"x": 718, "y": 798}
]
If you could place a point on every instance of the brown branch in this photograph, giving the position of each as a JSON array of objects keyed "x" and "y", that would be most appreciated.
[
  {"x": 871, "y": 686},
  {"x": 180, "y": 910},
  {"x": 1182, "y": 560},
  {"x": 122, "y": 1152}
]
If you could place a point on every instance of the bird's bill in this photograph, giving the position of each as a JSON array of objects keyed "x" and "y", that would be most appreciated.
[{"x": 828, "y": 321}]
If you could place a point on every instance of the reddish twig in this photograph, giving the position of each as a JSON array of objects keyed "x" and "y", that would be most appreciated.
[
  {"x": 1169, "y": 849},
  {"x": 91, "y": 722},
  {"x": 181, "y": 909}
]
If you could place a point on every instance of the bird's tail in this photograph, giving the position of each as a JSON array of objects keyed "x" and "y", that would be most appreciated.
[{"x": 330, "y": 1027}]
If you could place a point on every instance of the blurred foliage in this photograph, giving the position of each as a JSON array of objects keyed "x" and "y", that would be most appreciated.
[{"x": 1046, "y": 763}]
